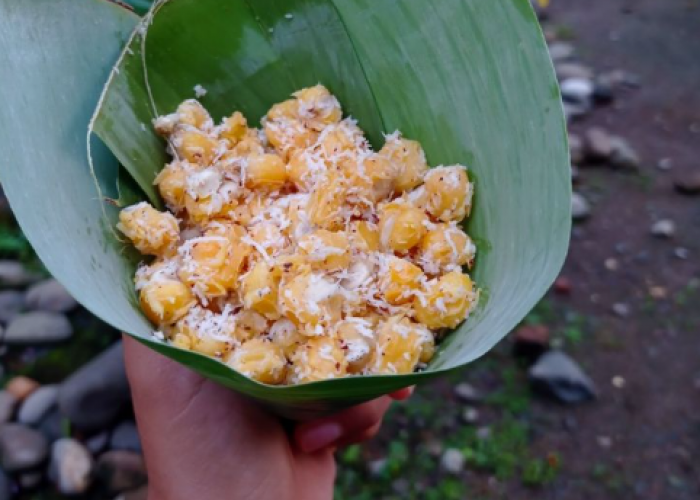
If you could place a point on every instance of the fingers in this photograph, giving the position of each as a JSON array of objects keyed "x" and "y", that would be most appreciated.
[
  {"x": 351, "y": 425},
  {"x": 401, "y": 394}
]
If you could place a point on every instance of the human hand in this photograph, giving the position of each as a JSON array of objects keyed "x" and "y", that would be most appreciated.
[{"x": 204, "y": 441}]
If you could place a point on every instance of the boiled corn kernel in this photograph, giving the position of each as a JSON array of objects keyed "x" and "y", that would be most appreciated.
[
  {"x": 446, "y": 301},
  {"x": 261, "y": 360},
  {"x": 449, "y": 193},
  {"x": 152, "y": 232}
]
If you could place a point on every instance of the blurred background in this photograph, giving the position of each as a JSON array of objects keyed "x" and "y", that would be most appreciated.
[{"x": 595, "y": 396}]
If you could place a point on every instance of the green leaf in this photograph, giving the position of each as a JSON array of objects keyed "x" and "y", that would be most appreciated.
[{"x": 471, "y": 80}]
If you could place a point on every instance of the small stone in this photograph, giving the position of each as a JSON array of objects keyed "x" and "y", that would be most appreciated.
[
  {"x": 467, "y": 393},
  {"x": 599, "y": 144},
  {"x": 376, "y": 467},
  {"x": 577, "y": 90},
  {"x": 51, "y": 296},
  {"x": 95, "y": 394},
  {"x": 681, "y": 253},
  {"x": 665, "y": 164},
  {"x": 452, "y": 461},
  {"x": 5, "y": 489},
  {"x": 30, "y": 480},
  {"x": 621, "y": 309},
  {"x": 531, "y": 341},
  {"x": 623, "y": 155},
  {"x": 52, "y": 425},
  {"x": 603, "y": 89},
  {"x": 137, "y": 494},
  {"x": 434, "y": 447},
  {"x": 612, "y": 264},
  {"x": 618, "y": 382},
  {"x": 38, "y": 404},
  {"x": 580, "y": 208},
  {"x": 121, "y": 470},
  {"x": 658, "y": 292},
  {"x": 38, "y": 328},
  {"x": 576, "y": 149},
  {"x": 125, "y": 437},
  {"x": 70, "y": 466},
  {"x": 560, "y": 51},
  {"x": 11, "y": 303},
  {"x": 13, "y": 274},
  {"x": 21, "y": 448},
  {"x": 557, "y": 375},
  {"x": 483, "y": 433},
  {"x": 21, "y": 387},
  {"x": 401, "y": 486},
  {"x": 8, "y": 404},
  {"x": 562, "y": 285},
  {"x": 575, "y": 110},
  {"x": 604, "y": 441},
  {"x": 98, "y": 443},
  {"x": 688, "y": 184},
  {"x": 664, "y": 228},
  {"x": 566, "y": 70},
  {"x": 470, "y": 415}
]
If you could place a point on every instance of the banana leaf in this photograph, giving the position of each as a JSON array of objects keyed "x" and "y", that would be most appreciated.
[{"x": 470, "y": 79}]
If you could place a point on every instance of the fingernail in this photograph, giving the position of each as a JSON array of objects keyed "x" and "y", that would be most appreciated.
[{"x": 320, "y": 437}]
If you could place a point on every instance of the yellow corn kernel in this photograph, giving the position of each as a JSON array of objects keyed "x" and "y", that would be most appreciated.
[
  {"x": 249, "y": 324},
  {"x": 401, "y": 226},
  {"x": 268, "y": 237},
  {"x": 221, "y": 205},
  {"x": 326, "y": 202},
  {"x": 207, "y": 266},
  {"x": 152, "y": 232},
  {"x": 364, "y": 236},
  {"x": 248, "y": 208},
  {"x": 298, "y": 170},
  {"x": 172, "y": 182},
  {"x": 182, "y": 341},
  {"x": 239, "y": 251},
  {"x": 166, "y": 301},
  {"x": 285, "y": 110},
  {"x": 208, "y": 332},
  {"x": 311, "y": 301},
  {"x": 250, "y": 144},
  {"x": 192, "y": 113},
  {"x": 325, "y": 249},
  {"x": 356, "y": 337},
  {"x": 401, "y": 344},
  {"x": 285, "y": 334},
  {"x": 299, "y": 223},
  {"x": 259, "y": 290},
  {"x": 317, "y": 107},
  {"x": 234, "y": 128},
  {"x": 320, "y": 358},
  {"x": 409, "y": 160},
  {"x": 446, "y": 301},
  {"x": 261, "y": 360},
  {"x": 449, "y": 193},
  {"x": 446, "y": 247},
  {"x": 382, "y": 175},
  {"x": 266, "y": 171},
  {"x": 399, "y": 280},
  {"x": 195, "y": 147}
]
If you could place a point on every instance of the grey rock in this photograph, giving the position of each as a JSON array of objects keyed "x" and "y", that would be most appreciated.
[
  {"x": 483, "y": 432},
  {"x": 470, "y": 415},
  {"x": 401, "y": 486},
  {"x": 30, "y": 480},
  {"x": 11, "y": 303},
  {"x": 434, "y": 447},
  {"x": 577, "y": 90},
  {"x": 573, "y": 111},
  {"x": 623, "y": 155},
  {"x": 603, "y": 89},
  {"x": 98, "y": 443},
  {"x": 665, "y": 164},
  {"x": 467, "y": 393},
  {"x": 580, "y": 208},
  {"x": 13, "y": 274},
  {"x": 688, "y": 184},
  {"x": 70, "y": 466},
  {"x": 621, "y": 309},
  {"x": 376, "y": 467},
  {"x": 8, "y": 404},
  {"x": 664, "y": 228},
  {"x": 121, "y": 470},
  {"x": 452, "y": 461},
  {"x": 21, "y": 448},
  {"x": 560, "y": 51},
  {"x": 576, "y": 149},
  {"x": 52, "y": 425},
  {"x": 599, "y": 144},
  {"x": 38, "y": 404},
  {"x": 681, "y": 253},
  {"x": 556, "y": 375},
  {"x": 38, "y": 327},
  {"x": 125, "y": 437},
  {"x": 49, "y": 295},
  {"x": 566, "y": 70},
  {"x": 5, "y": 490},
  {"x": 95, "y": 394}
]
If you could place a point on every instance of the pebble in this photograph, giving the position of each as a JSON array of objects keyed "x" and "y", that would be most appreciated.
[
  {"x": 483, "y": 433},
  {"x": 603, "y": 89},
  {"x": 531, "y": 341},
  {"x": 576, "y": 149},
  {"x": 577, "y": 90},
  {"x": 452, "y": 461},
  {"x": 121, "y": 470},
  {"x": 125, "y": 437},
  {"x": 562, "y": 285},
  {"x": 575, "y": 110},
  {"x": 658, "y": 292},
  {"x": 665, "y": 164},
  {"x": 376, "y": 467},
  {"x": 434, "y": 447},
  {"x": 612, "y": 264},
  {"x": 21, "y": 387},
  {"x": 560, "y": 51},
  {"x": 51, "y": 296},
  {"x": 604, "y": 441},
  {"x": 52, "y": 425},
  {"x": 137, "y": 494},
  {"x": 70, "y": 466},
  {"x": 95, "y": 394},
  {"x": 98, "y": 443},
  {"x": 5, "y": 490},
  {"x": 30, "y": 480},
  {"x": 38, "y": 327},
  {"x": 557, "y": 375},
  {"x": 38, "y": 404},
  {"x": 621, "y": 309},
  {"x": 664, "y": 228},
  {"x": 21, "y": 448},
  {"x": 599, "y": 144},
  {"x": 470, "y": 415},
  {"x": 688, "y": 184},
  {"x": 11, "y": 303},
  {"x": 566, "y": 70},
  {"x": 623, "y": 155},
  {"x": 13, "y": 274},
  {"x": 401, "y": 486},
  {"x": 681, "y": 253},
  {"x": 8, "y": 404},
  {"x": 467, "y": 393},
  {"x": 580, "y": 208},
  {"x": 618, "y": 382}
]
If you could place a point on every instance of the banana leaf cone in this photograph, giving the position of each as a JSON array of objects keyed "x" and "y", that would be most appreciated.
[{"x": 81, "y": 81}]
